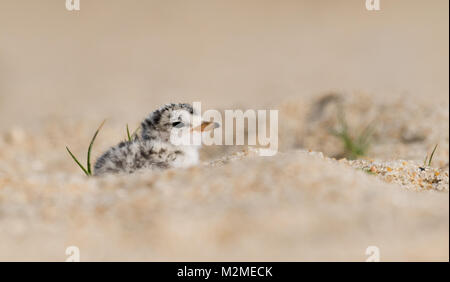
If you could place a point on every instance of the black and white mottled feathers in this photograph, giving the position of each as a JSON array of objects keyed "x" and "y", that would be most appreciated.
[{"x": 152, "y": 149}]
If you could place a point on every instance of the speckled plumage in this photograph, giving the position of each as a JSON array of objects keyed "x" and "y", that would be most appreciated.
[{"x": 152, "y": 149}]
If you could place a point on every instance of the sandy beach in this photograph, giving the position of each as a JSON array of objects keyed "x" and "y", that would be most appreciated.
[{"x": 324, "y": 66}]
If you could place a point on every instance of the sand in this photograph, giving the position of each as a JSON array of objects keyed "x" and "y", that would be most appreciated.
[
  {"x": 309, "y": 202},
  {"x": 298, "y": 205}
]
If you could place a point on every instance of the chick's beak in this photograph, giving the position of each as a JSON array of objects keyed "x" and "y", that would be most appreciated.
[{"x": 206, "y": 126}]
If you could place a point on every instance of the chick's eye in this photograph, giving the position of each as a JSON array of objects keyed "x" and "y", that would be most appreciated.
[{"x": 177, "y": 124}]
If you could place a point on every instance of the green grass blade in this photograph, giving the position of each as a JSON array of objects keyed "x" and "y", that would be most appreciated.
[
  {"x": 78, "y": 163},
  {"x": 432, "y": 154},
  {"x": 367, "y": 134},
  {"x": 425, "y": 161},
  {"x": 135, "y": 132},
  {"x": 90, "y": 148},
  {"x": 128, "y": 133}
]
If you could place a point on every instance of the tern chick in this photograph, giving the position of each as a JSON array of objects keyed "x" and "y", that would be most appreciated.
[{"x": 153, "y": 149}]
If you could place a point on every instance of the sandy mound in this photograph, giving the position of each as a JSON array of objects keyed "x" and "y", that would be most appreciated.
[
  {"x": 401, "y": 127},
  {"x": 298, "y": 205},
  {"x": 310, "y": 202}
]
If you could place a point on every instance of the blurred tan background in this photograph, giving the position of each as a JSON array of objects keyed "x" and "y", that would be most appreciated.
[
  {"x": 63, "y": 72},
  {"x": 119, "y": 59}
]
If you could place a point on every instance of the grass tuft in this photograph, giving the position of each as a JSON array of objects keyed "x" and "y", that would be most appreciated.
[
  {"x": 425, "y": 160},
  {"x": 87, "y": 170},
  {"x": 431, "y": 157},
  {"x": 353, "y": 147},
  {"x": 128, "y": 133},
  {"x": 77, "y": 162},
  {"x": 133, "y": 135}
]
